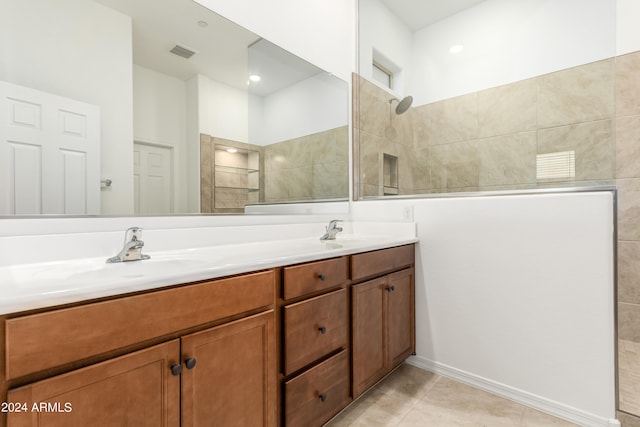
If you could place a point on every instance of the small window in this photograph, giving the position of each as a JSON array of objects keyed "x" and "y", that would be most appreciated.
[{"x": 382, "y": 75}]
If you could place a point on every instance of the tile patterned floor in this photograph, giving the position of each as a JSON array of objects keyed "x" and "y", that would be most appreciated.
[{"x": 412, "y": 397}]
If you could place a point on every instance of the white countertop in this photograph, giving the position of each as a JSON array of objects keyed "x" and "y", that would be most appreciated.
[{"x": 47, "y": 284}]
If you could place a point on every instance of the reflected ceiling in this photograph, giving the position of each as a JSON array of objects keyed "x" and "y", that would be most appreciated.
[{"x": 418, "y": 14}]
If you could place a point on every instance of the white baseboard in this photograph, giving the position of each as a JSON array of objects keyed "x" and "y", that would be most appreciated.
[{"x": 540, "y": 403}]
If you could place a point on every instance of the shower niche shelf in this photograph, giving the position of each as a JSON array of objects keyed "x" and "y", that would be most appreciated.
[{"x": 236, "y": 177}]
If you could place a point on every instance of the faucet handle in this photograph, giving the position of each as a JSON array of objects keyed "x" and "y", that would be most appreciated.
[
  {"x": 133, "y": 234},
  {"x": 333, "y": 223}
]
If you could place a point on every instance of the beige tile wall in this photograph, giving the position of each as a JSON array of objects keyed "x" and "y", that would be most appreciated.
[
  {"x": 225, "y": 190},
  {"x": 489, "y": 141},
  {"x": 308, "y": 168},
  {"x": 627, "y": 154}
]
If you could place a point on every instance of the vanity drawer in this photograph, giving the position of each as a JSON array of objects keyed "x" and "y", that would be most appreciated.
[
  {"x": 381, "y": 261},
  {"x": 314, "y": 276},
  {"x": 46, "y": 340},
  {"x": 316, "y": 395},
  {"x": 314, "y": 328}
]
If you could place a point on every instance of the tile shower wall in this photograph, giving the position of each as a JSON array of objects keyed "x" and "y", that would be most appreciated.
[
  {"x": 226, "y": 190},
  {"x": 489, "y": 140},
  {"x": 627, "y": 154},
  {"x": 311, "y": 167}
]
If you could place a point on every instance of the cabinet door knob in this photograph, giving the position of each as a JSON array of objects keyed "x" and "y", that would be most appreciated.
[
  {"x": 322, "y": 276},
  {"x": 390, "y": 288},
  {"x": 190, "y": 363},
  {"x": 176, "y": 369},
  {"x": 323, "y": 396},
  {"x": 322, "y": 329}
]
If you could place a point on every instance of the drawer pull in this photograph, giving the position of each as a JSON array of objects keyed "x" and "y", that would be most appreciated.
[
  {"x": 190, "y": 363},
  {"x": 322, "y": 277},
  {"x": 322, "y": 329},
  {"x": 323, "y": 397},
  {"x": 391, "y": 288},
  {"x": 176, "y": 369}
]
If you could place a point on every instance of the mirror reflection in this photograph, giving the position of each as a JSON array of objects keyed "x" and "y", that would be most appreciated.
[
  {"x": 118, "y": 107},
  {"x": 506, "y": 95}
]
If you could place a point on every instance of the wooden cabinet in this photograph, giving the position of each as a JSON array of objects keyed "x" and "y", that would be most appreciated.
[
  {"x": 315, "y": 322},
  {"x": 320, "y": 392},
  {"x": 314, "y": 328},
  {"x": 287, "y": 346},
  {"x": 382, "y": 324},
  {"x": 137, "y": 389},
  {"x": 232, "y": 379},
  {"x": 211, "y": 369}
]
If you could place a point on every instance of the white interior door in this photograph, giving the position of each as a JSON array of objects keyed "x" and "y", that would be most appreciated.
[
  {"x": 152, "y": 179},
  {"x": 49, "y": 153}
]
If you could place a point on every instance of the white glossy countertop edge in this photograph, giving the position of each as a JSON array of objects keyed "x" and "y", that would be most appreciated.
[{"x": 49, "y": 284}]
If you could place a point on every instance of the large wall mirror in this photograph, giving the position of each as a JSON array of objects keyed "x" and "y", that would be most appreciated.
[
  {"x": 487, "y": 95},
  {"x": 120, "y": 107}
]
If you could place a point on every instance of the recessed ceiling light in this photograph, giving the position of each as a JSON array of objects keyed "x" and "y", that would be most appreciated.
[
  {"x": 203, "y": 24},
  {"x": 232, "y": 150},
  {"x": 255, "y": 78},
  {"x": 456, "y": 48}
]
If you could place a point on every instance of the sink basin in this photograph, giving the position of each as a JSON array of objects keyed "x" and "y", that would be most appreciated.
[{"x": 96, "y": 270}]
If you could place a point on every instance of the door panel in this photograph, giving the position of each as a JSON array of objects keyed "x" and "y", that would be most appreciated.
[
  {"x": 400, "y": 314},
  {"x": 368, "y": 334},
  {"x": 132, "y": 390},
  {"x": 49, "y": 153},
  {"x": 212, "y": 394},
  {"x": 153, "y": 179}
]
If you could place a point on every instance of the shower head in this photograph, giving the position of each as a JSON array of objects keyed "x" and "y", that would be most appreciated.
[{"x": 403, "y": 105}]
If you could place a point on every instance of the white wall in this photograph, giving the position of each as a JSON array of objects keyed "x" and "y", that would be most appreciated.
[
  {"x": 628, "y": 30},
  {"x": 515, "y": 294},
  {"x": 223, "y": 110},
  {"x": 160, "y": 117},
  {"x": 383, "y": 31},
  {"x": 313, "y": 105},
  {"x": 79, "y": 50},
  {"x": 504, "y": 41},
  {"x": 321, "y": 32}
]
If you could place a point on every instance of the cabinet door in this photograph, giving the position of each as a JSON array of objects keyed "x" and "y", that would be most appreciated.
[
  {"x": 400, "y": 317},
  {"x": 368, "y": 334},
  {"x": 233, "y": 374},
  {"x": 132, "y": 390}
]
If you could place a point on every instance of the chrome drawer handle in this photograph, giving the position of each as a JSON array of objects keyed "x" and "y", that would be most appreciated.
[
  {"x": 322, "y": 277},
  {"x": 323, "y": 396},
  {"x": 322, "y": 329}
]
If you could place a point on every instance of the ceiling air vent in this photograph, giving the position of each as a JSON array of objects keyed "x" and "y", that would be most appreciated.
[{"x": 182, "y": 51}]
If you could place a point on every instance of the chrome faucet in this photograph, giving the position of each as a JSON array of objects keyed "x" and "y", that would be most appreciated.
[
  {"x": 332, "y": 230},
  {"x": 132, "y": 248}
]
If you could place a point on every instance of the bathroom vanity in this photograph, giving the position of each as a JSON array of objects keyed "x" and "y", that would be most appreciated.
[{"x": 267, "y": 347}]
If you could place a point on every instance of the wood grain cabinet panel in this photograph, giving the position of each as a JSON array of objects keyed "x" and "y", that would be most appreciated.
[
  {"x": 314, "y": 328},
  {"x": 400, "y": 317},
  {"x": 233, "y": 380},
  {"x": 383, "y": 326},
  {"x": 369, "y": 364},
  {"x": 137, "y": 389},
  {"x": 316, "y": 395},
  {"x": 45, "y": 340},
  {"x": 317, "y": 276},
  {"x": 375, "y": 263}
]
